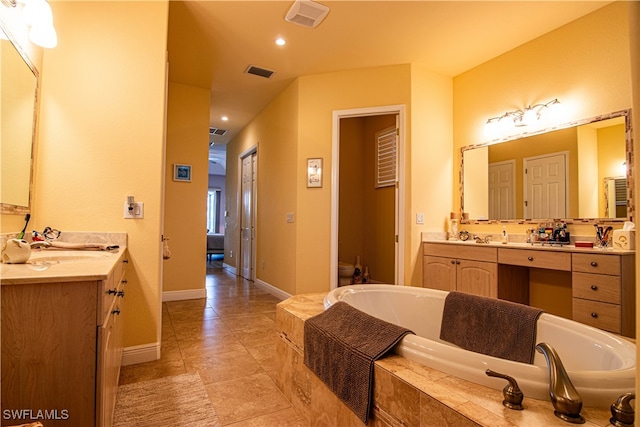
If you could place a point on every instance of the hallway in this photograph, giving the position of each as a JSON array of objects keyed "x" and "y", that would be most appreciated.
[{"x": 229, "y": 339}]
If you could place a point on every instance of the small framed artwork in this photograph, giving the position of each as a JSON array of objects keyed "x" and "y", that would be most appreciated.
[
  {"x": 314, "y": 172},
  {"x": 182, "y": 172}
]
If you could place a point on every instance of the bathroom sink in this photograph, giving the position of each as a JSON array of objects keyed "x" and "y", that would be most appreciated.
[{"x": 41, "y": 257}]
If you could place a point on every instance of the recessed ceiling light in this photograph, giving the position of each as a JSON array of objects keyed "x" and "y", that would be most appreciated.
[
  {"x": 280, "y": 41},
  {"x": 224, "y": 118}
]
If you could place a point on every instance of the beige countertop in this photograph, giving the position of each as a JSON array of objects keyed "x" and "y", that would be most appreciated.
[
  {"x": 534, "y": 246},
  {"x": 51, "y": 265}
]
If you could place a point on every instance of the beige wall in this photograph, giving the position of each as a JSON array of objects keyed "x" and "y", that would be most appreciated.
[
  {"x": 185, "y": 204},
  {"x": 101, "y": 138},
  {"x": 274, "y": 133},
  {"x": 586, "y": 64}
]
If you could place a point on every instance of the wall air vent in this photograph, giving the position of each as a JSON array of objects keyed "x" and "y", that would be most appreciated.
[
  {"x": 258, "y": 71},
  {"x": 219, "y": 132},
  {"x": 306, "y": 13}
]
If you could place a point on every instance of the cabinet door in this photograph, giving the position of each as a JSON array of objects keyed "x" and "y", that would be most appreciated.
[
  {"x": 439, "y": 273},
  {"x": 108, "y": 369},
  {"x": 478, "y": 278}
]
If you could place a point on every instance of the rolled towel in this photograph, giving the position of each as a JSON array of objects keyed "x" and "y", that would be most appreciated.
[{"x": 83, "y": 246}]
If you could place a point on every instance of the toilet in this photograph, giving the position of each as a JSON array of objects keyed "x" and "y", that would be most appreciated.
[{"x": 345, "y": 273}]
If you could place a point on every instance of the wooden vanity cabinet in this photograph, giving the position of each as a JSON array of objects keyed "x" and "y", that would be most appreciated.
[
  {"x": 62, "y": 348},
  {"x": 603, "y": 290},
  {"x": 471, "y": 269}
]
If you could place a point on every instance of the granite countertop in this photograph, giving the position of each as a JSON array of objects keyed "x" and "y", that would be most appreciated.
[{"x": 57, "y": 265}]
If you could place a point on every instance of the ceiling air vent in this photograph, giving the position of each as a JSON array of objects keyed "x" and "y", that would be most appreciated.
[
  {"x": 257, "y": 71},
  {"x": 219, "y": 132},
  {"x": 307, "y": 13}
]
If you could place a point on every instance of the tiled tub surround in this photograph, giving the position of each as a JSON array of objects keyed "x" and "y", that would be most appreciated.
[
  {"x": 405, "y": 393},
  {"x": 62, "y": 332}
]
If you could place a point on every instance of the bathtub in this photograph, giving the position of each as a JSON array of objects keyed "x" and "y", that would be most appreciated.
[{"x": 601, "y": 366}]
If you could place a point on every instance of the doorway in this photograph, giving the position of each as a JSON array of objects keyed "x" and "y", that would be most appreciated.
[
  {"x": 248, "y": 205},
  {"x": 545, "y": 186},
  {"x": 367, "y": 218}
]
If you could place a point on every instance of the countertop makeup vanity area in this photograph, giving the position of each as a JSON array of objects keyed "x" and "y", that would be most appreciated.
[
  {"x": 602, "y": 282},
  {"x": 62, "y": 330}
]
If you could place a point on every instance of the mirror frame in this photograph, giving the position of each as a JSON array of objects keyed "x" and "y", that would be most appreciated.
[
  {"x": 7, "y": 208},
  {"x": 630, "y": 174}
]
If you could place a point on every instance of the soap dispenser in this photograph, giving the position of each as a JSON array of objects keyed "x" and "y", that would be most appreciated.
[{"x": 505, "y": 236}]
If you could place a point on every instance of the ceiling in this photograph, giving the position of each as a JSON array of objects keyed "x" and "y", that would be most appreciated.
[{"x": 211, "y": 43}]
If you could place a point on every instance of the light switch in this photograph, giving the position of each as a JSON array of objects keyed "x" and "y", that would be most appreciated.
[
  {"x": 136, "y": 213},
  {"x": 290, "y": 217}
]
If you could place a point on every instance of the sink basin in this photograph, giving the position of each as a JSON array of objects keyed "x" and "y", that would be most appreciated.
[{"x": 42, "y": 257}]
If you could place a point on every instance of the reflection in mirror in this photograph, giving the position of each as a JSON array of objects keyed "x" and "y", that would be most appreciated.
[
  {"x": 18, "y": 85},
  {"x": 577, "y": 172}
]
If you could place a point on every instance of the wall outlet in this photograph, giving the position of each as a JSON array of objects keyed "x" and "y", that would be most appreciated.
[
  {"x": 419, "y": 218},
  {"x": 136, "y": 213},
  {"x": 290, "y": 217}
]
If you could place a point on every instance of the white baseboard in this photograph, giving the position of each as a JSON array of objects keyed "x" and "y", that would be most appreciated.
[
  {"x": 276, "y": 292},
  {"x": 182, "y": 295},
  {"x": 231, "y": 268},
  {"x": 140, "y": 354}
]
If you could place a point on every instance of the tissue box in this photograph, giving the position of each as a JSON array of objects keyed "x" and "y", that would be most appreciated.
[{"x": 624, "y": 239}]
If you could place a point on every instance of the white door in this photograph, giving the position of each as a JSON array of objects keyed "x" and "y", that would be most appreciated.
[
  {"x": 545, "y": 186},
  {"x": 247, "y": 220},
  {"x": 502, "y": 190}
]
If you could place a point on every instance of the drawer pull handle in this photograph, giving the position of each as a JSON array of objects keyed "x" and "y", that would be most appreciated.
[
  {"x": 594, "y": 287},
  {"x": 594, "y": 264},
  {"x": 125, "y": 261},
  {"x": 121, "y": 293},
  {"x": 594, "y": 315},
  {"x": 453, "y": 261},
  {"x": 116, "y": 311},
  {"x": 530, "y": 258},
  {"x": 125, "y": 281},
  {"x": 457, "y": 261},
  {"x": 111, "y": 292}
]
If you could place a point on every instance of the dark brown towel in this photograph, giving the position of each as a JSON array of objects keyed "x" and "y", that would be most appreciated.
[
  {"x": 340, "y": 346},
  {"x": 490, "y": 326}
]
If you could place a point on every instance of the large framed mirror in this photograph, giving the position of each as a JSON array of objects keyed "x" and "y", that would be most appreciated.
[
  {"x": 18, "y": 103},
  {"x": 580, "y": 172}
]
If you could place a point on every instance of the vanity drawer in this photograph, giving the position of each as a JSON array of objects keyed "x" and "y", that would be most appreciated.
[
  {"x": 107, "y": 296},
  {"x": 536, "y": 259},
  {"x": 596, "y": 287},
  {"x": 598, "y": 314},
  {"x": 471, "y": 251},
  {"x": 596, "y": 263}
]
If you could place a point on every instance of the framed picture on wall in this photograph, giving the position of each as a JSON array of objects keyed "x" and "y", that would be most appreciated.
[
  {"x": 181, "y": 172},
  {"x": 314, "y": 172}
]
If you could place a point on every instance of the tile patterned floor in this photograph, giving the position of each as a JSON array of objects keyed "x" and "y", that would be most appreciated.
[{"x": 229, "y": 339}]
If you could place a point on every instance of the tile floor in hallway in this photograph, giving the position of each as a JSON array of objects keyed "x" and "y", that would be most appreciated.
[{"x": 229, "y": 339}]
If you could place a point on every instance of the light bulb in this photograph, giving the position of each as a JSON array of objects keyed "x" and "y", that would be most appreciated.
[
  {"x": 491, "y": 129},
  {"x": 44, "y": 35}
]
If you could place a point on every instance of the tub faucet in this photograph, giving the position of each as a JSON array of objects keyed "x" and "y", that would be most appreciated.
[{"x": 564, "y": 397}]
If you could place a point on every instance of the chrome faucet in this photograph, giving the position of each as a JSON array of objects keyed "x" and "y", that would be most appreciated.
[
  {"x": 485, "y": 239},
  {"x": 40, "y": 244},
  {"x": 564, "y": 397}
]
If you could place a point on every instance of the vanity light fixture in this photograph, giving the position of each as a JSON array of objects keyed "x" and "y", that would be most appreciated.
[
  {"x": 37, "y": 15},
  {"x": 532, "y": 118}
]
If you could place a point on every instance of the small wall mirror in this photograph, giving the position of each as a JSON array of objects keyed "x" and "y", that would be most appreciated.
[
  {"x": 579, "y": 172},
  {"x": 18, "y": 90}
]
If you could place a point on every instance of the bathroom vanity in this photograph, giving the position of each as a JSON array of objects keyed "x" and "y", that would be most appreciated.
[
  {"x": 62, "y": 333},
  {"x": 602, "y": 281}
]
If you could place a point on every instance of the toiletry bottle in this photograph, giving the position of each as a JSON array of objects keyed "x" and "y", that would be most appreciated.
[
  {"x": 505, "y": 236},
  {"x": 453, "y": 226},
  {"x": 357, "y": 271},
  {"x": 365, "y": 276}
]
